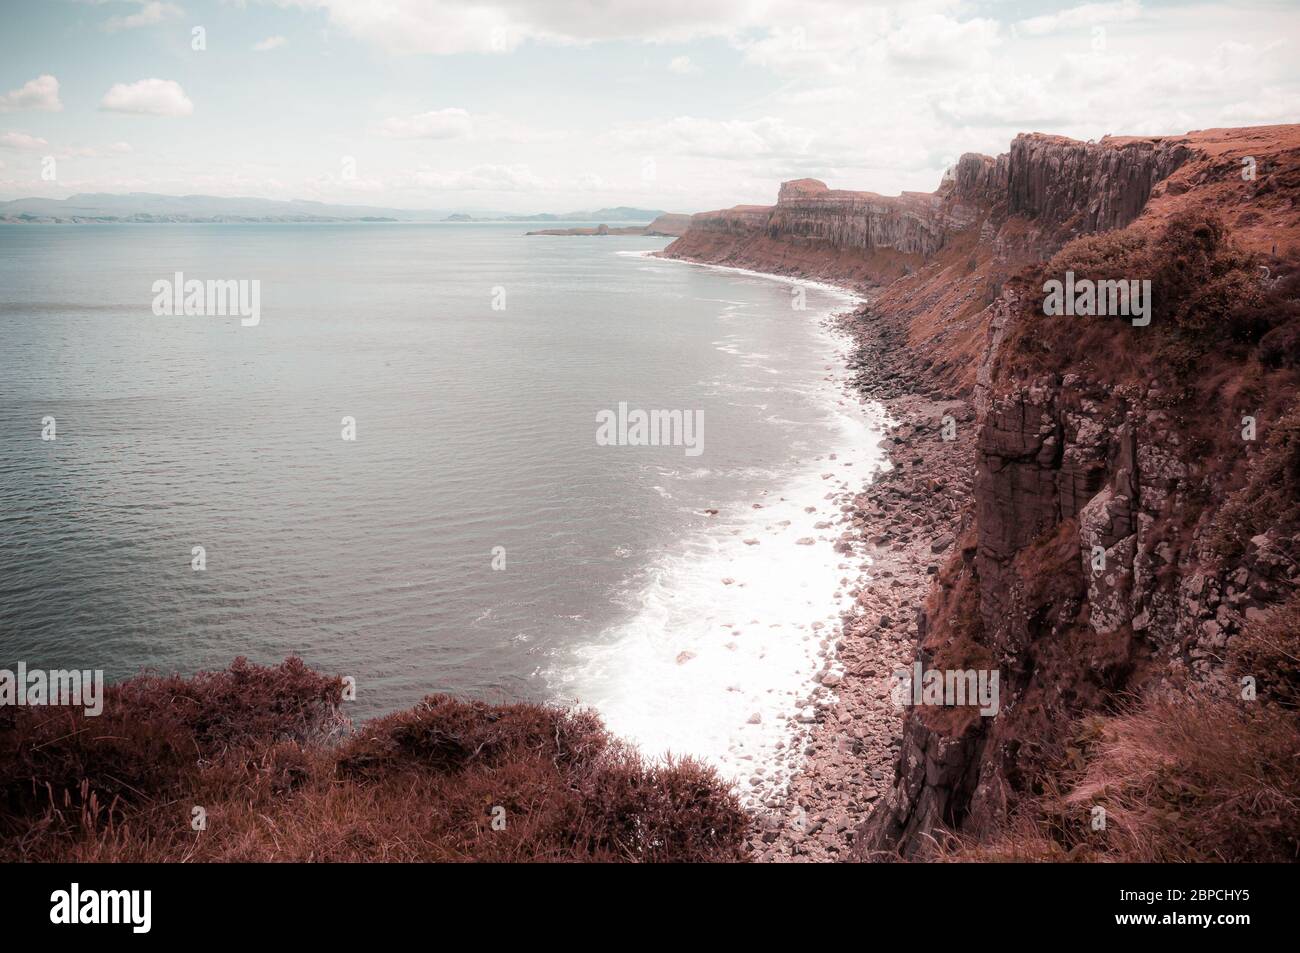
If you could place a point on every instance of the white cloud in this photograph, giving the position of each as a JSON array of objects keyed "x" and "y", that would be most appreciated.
[
  {"x": 1013, "y": 99},
  {"x": 151, "y": 97},
  {"x": 449, "y": 123},
  {"x": 939, "y": 40},
  {"x": 682, "y": 65},
  {"x": 495, "y": 26},
  {"x": 719, "y": 139},
  {"x": 270, "y": 43},
  {"x": 1088, "y": 14},
  {"x": 40, "y": 93},
  {"x": 21, "y": 141},
  {"x": 95, "y": 152},
  {"x": 483, "y": 178},
  {"x": 150, "y": 13}
]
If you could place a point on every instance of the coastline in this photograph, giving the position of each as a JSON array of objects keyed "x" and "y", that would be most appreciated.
[
  {"x": 792, "y": 576},
  {"x": 899, "y": 523}
]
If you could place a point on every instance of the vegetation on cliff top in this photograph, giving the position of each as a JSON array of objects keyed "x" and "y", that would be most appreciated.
[
  {"x": 1200, "y": 774},
  {"x": 278, "y": 774}
]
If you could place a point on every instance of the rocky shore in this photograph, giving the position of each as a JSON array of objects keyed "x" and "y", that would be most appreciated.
[{"x": 902, "y": 522}]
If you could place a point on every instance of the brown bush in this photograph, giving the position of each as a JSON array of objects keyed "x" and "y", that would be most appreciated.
[
  {"x": 1271, "y": 495},
  {"x": 1191, "y": 781},
  {"x": 152, "y": 732},
  {"x": 1205, "y": 294},
  {"x": 1269, "y": 652},
  {"x": 260, "y": 749},
  {"x": 443, "y": 735}
]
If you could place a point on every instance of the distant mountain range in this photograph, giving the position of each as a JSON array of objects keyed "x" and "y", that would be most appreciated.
[{"x": 149, "y": 207}]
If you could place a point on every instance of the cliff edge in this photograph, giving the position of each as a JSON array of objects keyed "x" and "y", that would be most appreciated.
[{"x": 1128, "y": 556}]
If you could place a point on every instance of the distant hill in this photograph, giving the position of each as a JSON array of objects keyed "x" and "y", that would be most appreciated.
[
  {"x": 667, "y": 225},
  {"x": 151, "y": 207}
]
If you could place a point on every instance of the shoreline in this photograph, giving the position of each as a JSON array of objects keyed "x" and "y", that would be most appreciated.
[
  {"x": 902, "y": 521},
  {"x": 766, "y": 752},
  {"x": 848, "y": 291}
]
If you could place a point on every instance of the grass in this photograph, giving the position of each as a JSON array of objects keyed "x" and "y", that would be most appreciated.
[
  {"x": 1201, "y": 778},
  {"x": 280, "y": 776}
]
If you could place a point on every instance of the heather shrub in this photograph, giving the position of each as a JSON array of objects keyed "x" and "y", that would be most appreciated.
[
  {"x": 1102, "y": 255},
  {"x": 244, "y": 703},
  {"x": 1203, "y": 289},
  {"x": 1271, "y": 495},
  {"x": 637, "y": 813},
  {"x": 152, "y": 732},
  {"x": 444, "y": 735},
  {"x": 1268, "y": 650},
  {"x": 262, "y": 751}
]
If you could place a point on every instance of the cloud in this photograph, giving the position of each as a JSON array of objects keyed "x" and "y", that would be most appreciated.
[
  {"x": 482, "y": 178},
  {"x": 682, "y": 65},
  {"x": 1006, "y": 99},
  {"x": 270, "y": 43},
  {"x": 717, "y": 139},
  {"x": 438, "y": 124},
  {"x": 21, "y": 141},
  {"x": 148, "y": 97},
  {"x": 40, "y": 93},
  {"x": 1088, "y": 14},
  {"x": 498, "y": 26},
  {"x": 940, "y": 40},
  {"x": 95, "y": 152},
  {"x": 150, "y": 13}
]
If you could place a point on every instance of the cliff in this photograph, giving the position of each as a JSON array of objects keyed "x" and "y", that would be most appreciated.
[{"x": 1116, "y": 549}]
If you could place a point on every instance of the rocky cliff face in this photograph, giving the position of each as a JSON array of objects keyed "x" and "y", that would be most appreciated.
[
  {"x": 1088, "y": 563},
  {"x": 1084, "y": 187},
  {"x": 1052, "y": 187}
]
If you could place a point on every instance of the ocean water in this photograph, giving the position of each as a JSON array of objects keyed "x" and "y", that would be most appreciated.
[{"x": 381, "y": 557}]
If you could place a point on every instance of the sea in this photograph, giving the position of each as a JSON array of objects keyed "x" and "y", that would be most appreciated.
[{"x": 398, "y": 471}]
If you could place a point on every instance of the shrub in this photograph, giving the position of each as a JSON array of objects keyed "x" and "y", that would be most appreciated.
[
  {"x": 1198, "y": 781},
  {"x": 152, "y": 732},
  {"x": 1268, "y": 650},
  {"x": 1271, "y": 496},
  {"x": 260, "y": 749},
  {"x": 1180, "y": 782}
]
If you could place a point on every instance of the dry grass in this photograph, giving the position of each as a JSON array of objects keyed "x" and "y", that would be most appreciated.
[
  {"x": 1271, "y": 494},
  {"x": 1269, "y": 652},
  {"x": 1204, "y": 781},
  {"x": 263, "y": 752},
  {"x": 1215, "y": 781}
]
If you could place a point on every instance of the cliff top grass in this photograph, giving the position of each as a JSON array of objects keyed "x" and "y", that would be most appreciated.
[{"x": 257, "y": 763}]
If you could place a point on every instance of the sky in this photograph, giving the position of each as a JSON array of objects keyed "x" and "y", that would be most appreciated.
[{"x": 528, "y": 106}]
